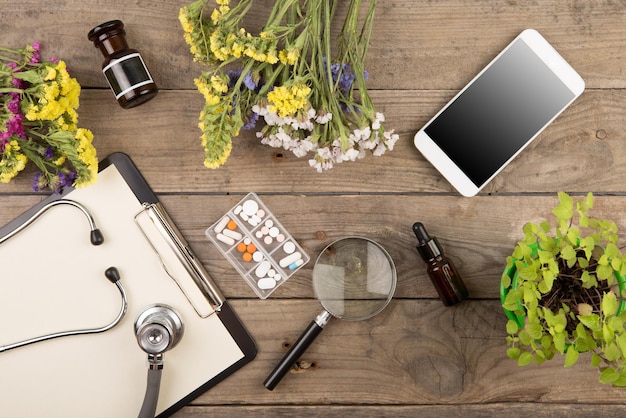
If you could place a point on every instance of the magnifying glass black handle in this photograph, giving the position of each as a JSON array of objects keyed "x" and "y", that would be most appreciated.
[{"x": 294, "y": 353}]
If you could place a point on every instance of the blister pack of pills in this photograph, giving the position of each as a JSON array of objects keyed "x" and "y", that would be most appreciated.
[{"x": 257, "y": 245}]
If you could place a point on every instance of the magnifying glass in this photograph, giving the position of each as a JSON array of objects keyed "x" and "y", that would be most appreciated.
[{"x": 354, "y": 279}]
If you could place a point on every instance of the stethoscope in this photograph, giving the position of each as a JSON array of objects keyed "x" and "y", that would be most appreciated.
[{"x": 158, "y": 327}]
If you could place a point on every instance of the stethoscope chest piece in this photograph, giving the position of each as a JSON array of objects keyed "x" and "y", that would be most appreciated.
[{"x": 158, "y": 328}]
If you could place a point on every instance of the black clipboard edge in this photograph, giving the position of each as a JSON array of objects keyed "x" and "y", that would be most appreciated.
[
  {"x": 246, "y": 344},
  {"x": 227, "y": 315}
]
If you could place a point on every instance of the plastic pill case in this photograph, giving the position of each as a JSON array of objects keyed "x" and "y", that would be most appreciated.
[{"x": 257, "y": 245}]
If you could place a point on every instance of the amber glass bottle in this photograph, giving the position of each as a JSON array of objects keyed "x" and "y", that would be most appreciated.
[
  {"x": 441, "y": 270},
  {"x": 123, "y": 67}
]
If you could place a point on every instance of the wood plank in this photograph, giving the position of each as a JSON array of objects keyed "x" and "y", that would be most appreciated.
[
  {"x": 413, "y": 353},
  {"x": 477, "y": 234},
  {"x": 579, "y": 152},
  {"x": 472, "y": 410},
  {"x": 435, "y": 44}
]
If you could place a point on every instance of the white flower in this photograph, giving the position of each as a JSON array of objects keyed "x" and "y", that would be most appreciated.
[{"x": 324, "y": 118}]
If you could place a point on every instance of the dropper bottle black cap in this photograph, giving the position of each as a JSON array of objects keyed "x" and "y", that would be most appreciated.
[
  {"x": 441, "y": 270},
  {"x": 428, "y": 247}
]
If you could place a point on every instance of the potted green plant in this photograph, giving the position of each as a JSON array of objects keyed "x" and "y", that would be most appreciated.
[{"x": 563, "y": 289}]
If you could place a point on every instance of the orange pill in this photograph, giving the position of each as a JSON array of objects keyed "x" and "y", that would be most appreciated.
[
  {"x": 232, "y": 225},
  {"x": 241, "y": 247},
  {"x": 247, "y": 257},
  {"x": 251, "y": 248}
]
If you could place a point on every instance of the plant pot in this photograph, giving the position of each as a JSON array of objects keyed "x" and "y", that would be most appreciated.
[{"x": 519, "y": 319}]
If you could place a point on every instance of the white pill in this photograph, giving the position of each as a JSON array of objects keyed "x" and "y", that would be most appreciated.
[
  {"x": 274, "y": 232},
  {"x": 258, "y": 234},
  {"x": 254, "y": 220},
  {"x": 268, "y": 240},
  {"x": 226, "y": 240},
  {"x": 238, "y": 210},
  {"x": 260, "y": 213},
  {"x": 244, "y": 216},
  {"x": 265, "y": 230},
  {"x": 280, "y": 238},
  {"x": 247, "y": 240},
  {"x": 257, "y": 256},
  {"x": 291, "y": 258},
  {"x": 278, "y": 277},
  {"x": 289, "y": 247},
  {"x": 262, "y": 269},
  {"x": 250, "y": 207},
  {"x": 232, "y": 234},
  {"x": 271, "y": 273},
  {"x": 221, "y": 224},
  {"x": 266, "y": 283},
  {"x": 269, "y": 223}
]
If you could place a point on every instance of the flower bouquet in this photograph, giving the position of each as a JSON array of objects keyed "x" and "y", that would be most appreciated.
[
  {"x": 309, "y": 90},
  {"x": 38, "y": 122}
]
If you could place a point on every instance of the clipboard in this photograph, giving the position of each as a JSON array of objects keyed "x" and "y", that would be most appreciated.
[{"x": 52, "y": 279}]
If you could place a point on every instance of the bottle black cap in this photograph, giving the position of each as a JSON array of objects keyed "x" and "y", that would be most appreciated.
[{"x": 428, "y": 246}]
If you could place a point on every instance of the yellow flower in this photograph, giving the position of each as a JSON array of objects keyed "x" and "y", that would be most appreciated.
[
  {"x": 87, "y": 155},
  {"x": 290, "y": 56},
  {"x": 219, "y": 160},
  {"x": 183, "y": 18},
  {"x": 287, "y": 100},
  {"x": 52, "y": 74},
  {"x": 12, "y": 162}
]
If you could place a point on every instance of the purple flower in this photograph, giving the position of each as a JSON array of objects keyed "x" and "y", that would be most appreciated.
[
  {"x": 233, "y": 76},
  {"x": 251, "y": 122},
  {"x": 249, "y": 82},
  {"x": 14, "y": 103},
  {"x": 35, "y": 58},
  {"x": 49, "y": 153},
  {"x": 15, "y": 126},
  {"x": 37, "y": 183}
]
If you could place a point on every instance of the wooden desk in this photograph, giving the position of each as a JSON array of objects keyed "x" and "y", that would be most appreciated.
[{"x": 417, "y": 358}]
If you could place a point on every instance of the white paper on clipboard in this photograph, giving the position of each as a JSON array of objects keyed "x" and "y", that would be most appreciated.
[{"x": 53, "y": 280}]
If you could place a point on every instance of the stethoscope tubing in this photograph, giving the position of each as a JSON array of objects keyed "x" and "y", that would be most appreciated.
[
  {"x": 46, "y": 337},
  {"x": 43, "y": 209}
]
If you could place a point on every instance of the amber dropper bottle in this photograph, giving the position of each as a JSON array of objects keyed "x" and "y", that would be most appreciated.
[
  {"x": 441, "y": 270},
  {"x": 123, "y": 67}
]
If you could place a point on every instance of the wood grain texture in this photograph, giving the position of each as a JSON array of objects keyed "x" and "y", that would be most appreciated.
[{"x": 417, "y": 358}]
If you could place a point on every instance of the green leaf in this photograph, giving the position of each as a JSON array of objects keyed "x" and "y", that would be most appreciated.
[
  {"x": 534, "y": 330},
  {"x": 604, "y": 272},
  {"x": 513, "y": 353},
  {"x": 608, "y": 375},
  {"x": 564, "y": 211},
  {"x": 512, "y": 300},
  {"x": 559, "y": 342},
  {"x": 590, "y": 321},
  {"x": 607, "y": 333},
  {"x": 612, "y": 352},
  {"x": 524, "y": 359},
  {"x": 595, "y": 360},
  {"x": 609, "y": 304},
  {"x": 505, "y": 281},
  {"x": 511, "y": 327},
  {"x": 571, "y": 357},
  {"x": 621, "y": 343}
]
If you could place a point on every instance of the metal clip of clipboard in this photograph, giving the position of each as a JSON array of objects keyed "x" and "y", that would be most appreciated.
[{"x": 179, "y": 246}]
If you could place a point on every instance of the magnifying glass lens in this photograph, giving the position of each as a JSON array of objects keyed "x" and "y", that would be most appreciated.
[{"x": 354, "y": 278}]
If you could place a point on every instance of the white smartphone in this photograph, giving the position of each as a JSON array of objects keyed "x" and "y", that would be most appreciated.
[{"x": 499, "y": 112}]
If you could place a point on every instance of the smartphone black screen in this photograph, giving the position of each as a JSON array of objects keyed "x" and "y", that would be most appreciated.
[{"x": 499, "y": 112}]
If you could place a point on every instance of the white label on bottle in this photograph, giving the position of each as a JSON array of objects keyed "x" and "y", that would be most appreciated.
[{"x": 127, "y": 73}]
